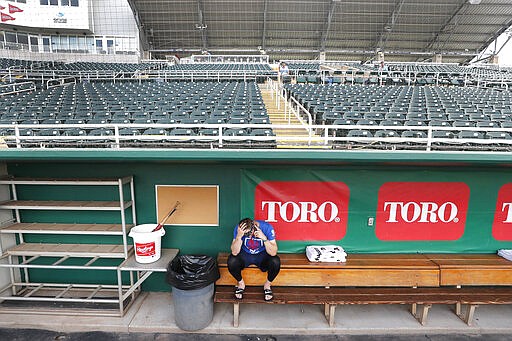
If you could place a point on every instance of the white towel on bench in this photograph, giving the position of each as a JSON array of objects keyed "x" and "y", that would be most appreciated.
[
  {"x": 326, "y": 253},
  {"x": 507, "y": 254}
]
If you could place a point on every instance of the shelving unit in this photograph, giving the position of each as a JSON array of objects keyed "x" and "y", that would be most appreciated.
[{"x": 25, "y": 257}]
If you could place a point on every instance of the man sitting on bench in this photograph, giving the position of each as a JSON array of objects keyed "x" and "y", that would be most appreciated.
[{"x": 254, "y": 242}]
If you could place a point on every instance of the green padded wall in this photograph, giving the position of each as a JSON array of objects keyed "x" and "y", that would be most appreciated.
[{"x": 236, "y": 193}]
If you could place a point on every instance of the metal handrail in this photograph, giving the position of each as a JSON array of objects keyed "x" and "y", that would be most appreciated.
[
  {"x": 327, "y": 137},
  {"x": 15, "y": 85}
]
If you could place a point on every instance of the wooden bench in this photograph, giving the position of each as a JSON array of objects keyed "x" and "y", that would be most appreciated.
[
  {"x": 488, "y": 276},
  {"x": 365, "y": 270},
  {"x": 378, "y": 278},
  {"x": 416, "y": 279}
]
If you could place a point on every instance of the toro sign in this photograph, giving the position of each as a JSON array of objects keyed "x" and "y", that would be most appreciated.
[
  {"x": 502, "y": 225},
  {"x": 303, "y": 210},
  {"x": 421, "y": 210}
]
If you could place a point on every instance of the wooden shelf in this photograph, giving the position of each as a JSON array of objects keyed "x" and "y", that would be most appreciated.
[
  {"x": 70, "y": 250},
  {"x": 64, "y": 205},
  {"x": 54, "y": 228},
  {"x": 111, "y": 299}
]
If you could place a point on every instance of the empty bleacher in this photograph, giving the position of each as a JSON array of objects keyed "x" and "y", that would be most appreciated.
[
  {"x": 394, "y": 111},
  {"x": 192, "y": 105},
  {"x": 167, "y": 109}
]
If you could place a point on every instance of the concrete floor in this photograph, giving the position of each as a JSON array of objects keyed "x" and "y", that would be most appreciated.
[{"x": 153, "y": 313}]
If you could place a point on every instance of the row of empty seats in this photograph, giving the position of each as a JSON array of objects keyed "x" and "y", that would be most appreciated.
[
  {"x": 401, "y": 103},
  {"x": 451, "y": 113},
  {"x": 132, "y": 102},
  {"x": 189, "y": 107},
  {"x": 133, "y": 136},
  {"x": 219, "y": 67}
]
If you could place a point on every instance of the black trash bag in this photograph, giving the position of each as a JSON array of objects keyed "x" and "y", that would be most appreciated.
[{"x": 190, "y": 272}]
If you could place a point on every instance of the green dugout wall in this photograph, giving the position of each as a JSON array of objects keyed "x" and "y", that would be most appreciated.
[{"x": 481, "y": 183}]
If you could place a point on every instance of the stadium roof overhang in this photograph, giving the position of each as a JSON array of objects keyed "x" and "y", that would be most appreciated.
[{"x": 404, "y": 30}]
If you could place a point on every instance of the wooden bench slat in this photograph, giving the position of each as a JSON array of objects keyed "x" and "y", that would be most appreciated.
[
  {"x": 337, "y": 277},
  {"x": 472, "y": 269},
  {"x": 359, "y": 270},
  {"x": 358, "y": 261},
  {"x": 282, "y": 295}
]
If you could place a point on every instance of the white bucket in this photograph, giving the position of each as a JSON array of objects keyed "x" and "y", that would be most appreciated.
[{"x": 146, "y": 242}]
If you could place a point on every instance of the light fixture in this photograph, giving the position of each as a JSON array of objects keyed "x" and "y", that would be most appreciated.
[{"x": 474, "y": 2}]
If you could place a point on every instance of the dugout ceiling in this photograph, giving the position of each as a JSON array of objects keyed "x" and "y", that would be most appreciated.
[{"x": 406, "y": 30}]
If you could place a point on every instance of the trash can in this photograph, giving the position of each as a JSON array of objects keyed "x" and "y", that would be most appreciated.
[{"x": 192, "y": 278}]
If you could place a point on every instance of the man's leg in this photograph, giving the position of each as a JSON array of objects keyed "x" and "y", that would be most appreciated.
[
  {"x": 271, "y": 264},
  {"x": 235, "y": 266}
]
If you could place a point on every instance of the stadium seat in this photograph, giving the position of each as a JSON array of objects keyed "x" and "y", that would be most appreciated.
[
  {"x": 259, "y": 120},
  {"x": 182, "y": 132},
  {"x": 487, "y": 124},
  {"x": 101, "y": 132},
  {"x": 466, "y": 134},
  {"x": 414, "y": 123},
  {"x": 390, "y": 122},
  {"x": 444, "y": 134},
  {"x": 129, "y": 131},
  {"x": 502, "y": 135},
  {"x": 238, "y": 120},
  {"x": 464, "y": 124},
  {"x": 359, "y": 133},
  {"x": 439, "y": 123},
  {"x": 74, "y": 132},
  {"x": 47, "y": 132},
  {"x": 386, "y": 133},
  {"x": 414, "y": 134},
  {"x": 365, "y": 122},
  {"x": 155, "y": 131}
]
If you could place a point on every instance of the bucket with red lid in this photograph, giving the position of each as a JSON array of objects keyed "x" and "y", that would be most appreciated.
[{"x": 147, "y": 242}]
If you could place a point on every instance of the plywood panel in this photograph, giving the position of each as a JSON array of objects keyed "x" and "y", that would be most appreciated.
[{"x": 198, "y": 205}]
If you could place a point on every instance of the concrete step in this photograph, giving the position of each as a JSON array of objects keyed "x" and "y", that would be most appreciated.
[{"x": 277, "y": 116}]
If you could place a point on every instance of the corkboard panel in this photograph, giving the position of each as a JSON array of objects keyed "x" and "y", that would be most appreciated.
[{"x": 199, "y": 205}]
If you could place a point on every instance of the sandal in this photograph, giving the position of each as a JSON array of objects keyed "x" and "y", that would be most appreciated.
[
  {"x": 268, "y": 294},
  {"x": 239, "y": 293}
]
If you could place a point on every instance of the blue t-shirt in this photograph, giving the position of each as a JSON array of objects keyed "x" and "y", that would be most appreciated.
[{"x": 254, "y": 245}]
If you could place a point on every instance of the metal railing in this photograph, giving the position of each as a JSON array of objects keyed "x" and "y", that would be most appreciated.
[
  {"x": 328, "y": 136},
  {"x": 16, "y": 87}
]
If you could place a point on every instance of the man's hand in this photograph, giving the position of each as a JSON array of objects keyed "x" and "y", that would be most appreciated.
[
  {"x": 239, "y": 233},
  {"x": 259, "y": 234}
]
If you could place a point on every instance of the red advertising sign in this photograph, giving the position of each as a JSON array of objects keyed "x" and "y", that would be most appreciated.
[
  {"x": 408, "y": 211},
  {"x": 303, "y": 210},
  {"x": 502, "y": 225}
]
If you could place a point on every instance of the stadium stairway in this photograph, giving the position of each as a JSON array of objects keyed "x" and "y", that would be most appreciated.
[{"x": 287, "y": 137}]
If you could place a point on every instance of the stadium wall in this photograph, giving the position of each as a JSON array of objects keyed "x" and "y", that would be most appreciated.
[{"x": 364, "y": 186}]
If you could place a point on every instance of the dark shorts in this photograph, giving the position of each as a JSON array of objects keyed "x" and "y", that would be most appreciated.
[{"x": 256, "y": 259}]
